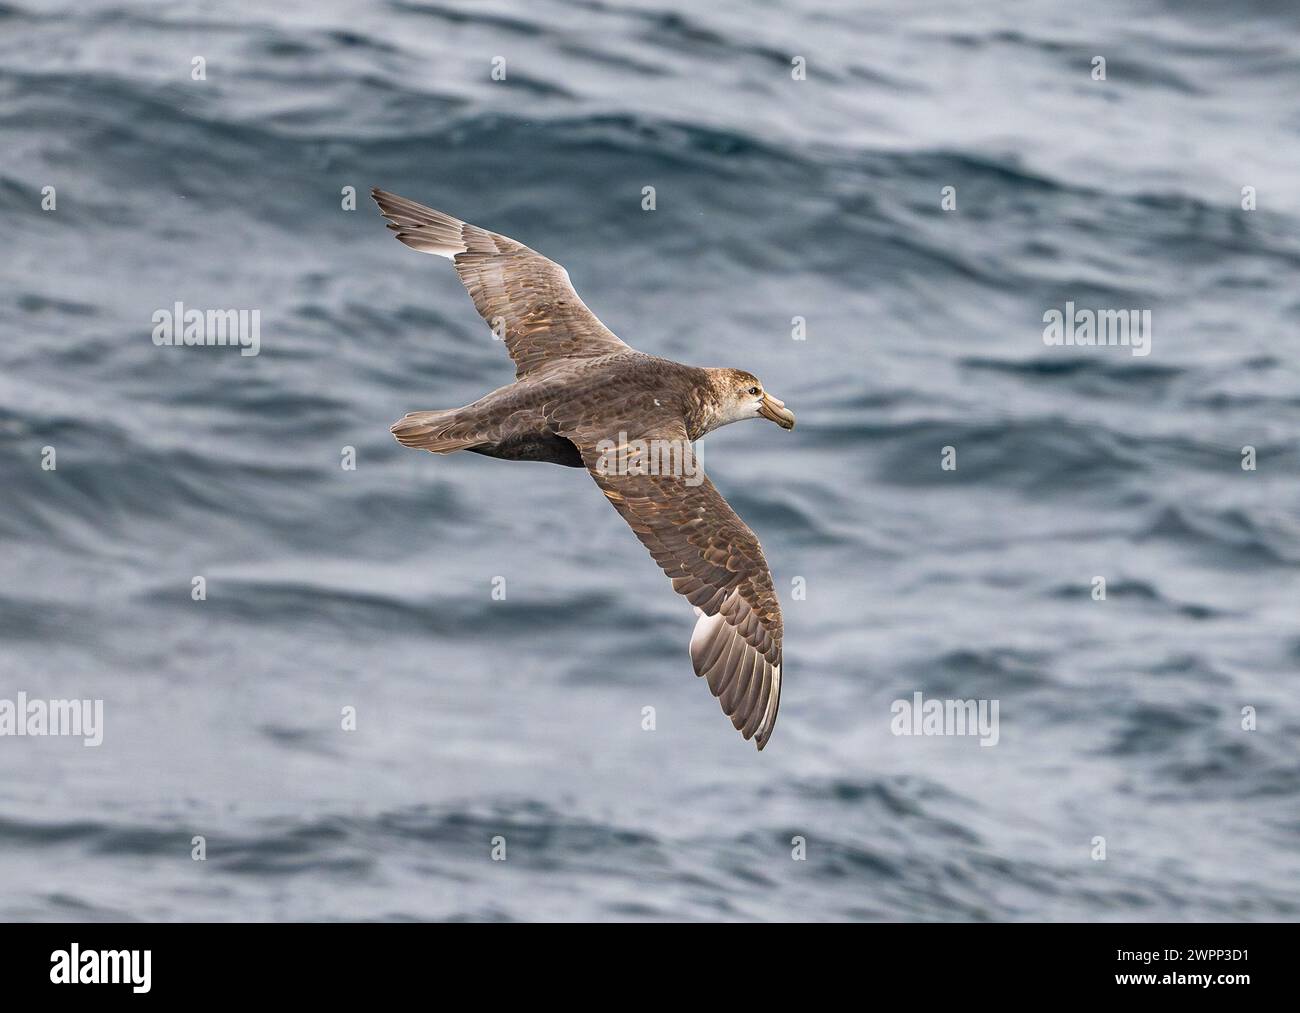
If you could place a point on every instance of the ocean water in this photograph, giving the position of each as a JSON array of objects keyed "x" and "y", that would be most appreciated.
[{"x": 326, "y": 588}]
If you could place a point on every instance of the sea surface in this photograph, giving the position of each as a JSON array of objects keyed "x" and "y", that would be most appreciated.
[{"x": 1147, "y": 763}]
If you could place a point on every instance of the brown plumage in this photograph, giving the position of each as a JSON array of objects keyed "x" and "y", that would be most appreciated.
[{"x": 583, "y": 398}]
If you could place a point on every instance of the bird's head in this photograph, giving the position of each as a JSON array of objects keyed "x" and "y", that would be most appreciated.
[{"x": 739, "y": 395}]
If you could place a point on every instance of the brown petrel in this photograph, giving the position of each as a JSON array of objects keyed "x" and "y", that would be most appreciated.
[{"x": 584, "y": 399}]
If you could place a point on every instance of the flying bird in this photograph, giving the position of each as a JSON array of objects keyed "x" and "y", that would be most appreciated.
[{"x": 584, "y": 399}]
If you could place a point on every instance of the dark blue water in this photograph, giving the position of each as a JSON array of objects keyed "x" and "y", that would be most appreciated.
[{"x": 372, "y": 588}]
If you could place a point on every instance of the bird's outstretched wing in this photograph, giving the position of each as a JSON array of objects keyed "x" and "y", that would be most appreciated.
[
  {"x": 712, "y": 558},
  {"x": 524, "y": 297}
]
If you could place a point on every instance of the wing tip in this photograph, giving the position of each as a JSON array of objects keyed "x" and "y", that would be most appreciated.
[
  {"x": 420, "y": 227},
  {"x": 752, "y": 702}
]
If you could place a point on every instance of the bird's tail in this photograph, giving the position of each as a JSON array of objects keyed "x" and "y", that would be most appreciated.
[{"x": 442, "y": 432}]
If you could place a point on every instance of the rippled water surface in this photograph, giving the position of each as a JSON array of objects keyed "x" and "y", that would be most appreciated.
[{"x": 776, "y": 198}]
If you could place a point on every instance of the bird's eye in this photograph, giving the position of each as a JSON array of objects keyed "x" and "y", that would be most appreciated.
[{"x": 753, "y": 390}]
